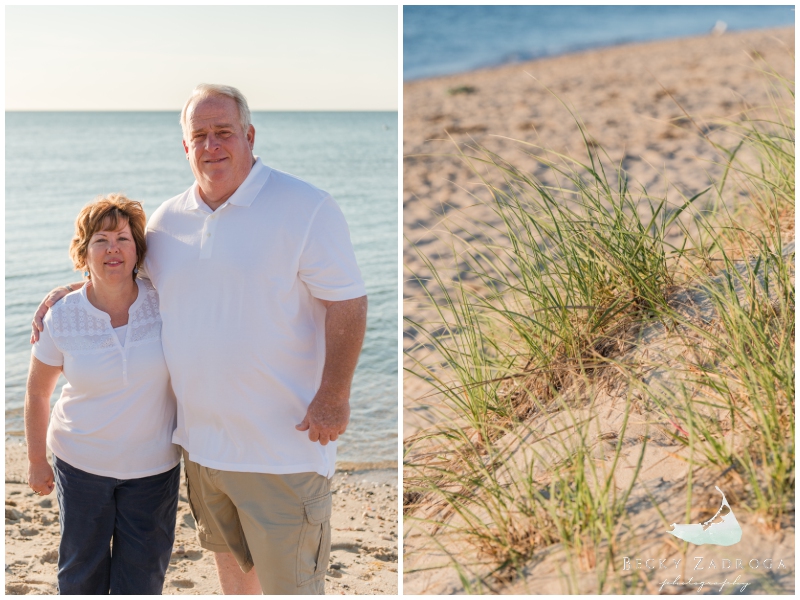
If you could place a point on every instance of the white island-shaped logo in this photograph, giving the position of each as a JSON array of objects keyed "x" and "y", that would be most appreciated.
[{"x": 724, "y": 533}]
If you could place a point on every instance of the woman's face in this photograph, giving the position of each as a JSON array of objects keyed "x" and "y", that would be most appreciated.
[{"x": 111, "y": 255}]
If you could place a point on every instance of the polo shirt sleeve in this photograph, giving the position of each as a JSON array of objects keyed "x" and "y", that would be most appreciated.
[
  {"x": 45, "y": 349},
  {"x": 328, "y": 263}
]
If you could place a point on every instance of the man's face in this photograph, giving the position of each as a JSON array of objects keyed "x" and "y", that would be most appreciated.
[{"x": 220, "y": 152}]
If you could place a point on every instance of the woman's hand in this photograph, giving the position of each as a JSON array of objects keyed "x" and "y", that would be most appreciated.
[
  {"x": 42, "y": 380},
  {"x": 40, "y": 477}
]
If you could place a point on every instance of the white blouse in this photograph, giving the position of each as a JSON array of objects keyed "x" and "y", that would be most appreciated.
[{"x": 116, "y": 414}]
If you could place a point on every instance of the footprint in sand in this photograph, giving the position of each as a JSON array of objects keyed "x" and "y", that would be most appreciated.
[
  {"x": 346, "y": 546},
  {"x": 18, "y": 589},
  {"x": 181, "y": 552},
  {"x": 385, "y": 555},
  {"x": 182, "y": 583},
  {"x": 188, "y": 521},
  {"x": 12, "y": 514},
  {"x": 380, "y": 552}
]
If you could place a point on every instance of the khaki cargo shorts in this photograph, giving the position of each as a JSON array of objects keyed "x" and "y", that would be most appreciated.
[{"x": 279, "y": 524}]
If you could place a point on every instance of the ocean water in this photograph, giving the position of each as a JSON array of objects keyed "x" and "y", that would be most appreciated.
[
  {"x": 57, "y": 162},
  {"x": 440, "y": 40}
]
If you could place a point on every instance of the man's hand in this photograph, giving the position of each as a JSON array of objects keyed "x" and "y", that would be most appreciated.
[
  {"x": 40, "y": 477},
  {"x": 326, "y": 418},
  {"x": 57, "y": 294},
  {"x": 329, "y": 411}
]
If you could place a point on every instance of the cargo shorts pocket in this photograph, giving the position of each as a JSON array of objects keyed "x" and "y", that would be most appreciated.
[{"x": 315, "y": 539}]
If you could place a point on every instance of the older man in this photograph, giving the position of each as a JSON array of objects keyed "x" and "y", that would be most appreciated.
[{"x": 264, "y": 313}]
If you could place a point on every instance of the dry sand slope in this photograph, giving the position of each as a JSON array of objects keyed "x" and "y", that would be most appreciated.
[
  {"x": 631, "y": 100},
  {"x": 662, "y": 479},
  {"x": 363, "y": 552}
]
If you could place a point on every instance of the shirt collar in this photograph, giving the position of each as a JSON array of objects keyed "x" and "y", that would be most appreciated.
[
  {"x": 244, "y": 194},
  {"x": 84, "y": 293}
]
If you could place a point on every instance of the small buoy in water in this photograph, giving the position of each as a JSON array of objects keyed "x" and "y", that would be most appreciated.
[{"x": 719, "y": 28}]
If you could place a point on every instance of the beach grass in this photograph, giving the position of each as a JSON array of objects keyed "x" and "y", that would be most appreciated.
[{"x": 589, "y": 293}]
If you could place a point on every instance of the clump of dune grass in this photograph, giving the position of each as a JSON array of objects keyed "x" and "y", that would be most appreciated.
[
  {"x": 747, "y": 277},
  {"x": 543, "y": 312}
]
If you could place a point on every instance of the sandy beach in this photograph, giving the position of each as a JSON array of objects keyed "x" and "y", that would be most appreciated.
[
  {"x": 364, "y": 535},
  {"x": 651, "y": 107}
]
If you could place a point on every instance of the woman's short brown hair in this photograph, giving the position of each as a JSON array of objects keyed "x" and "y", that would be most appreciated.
[{"x": 108, "y": 213}]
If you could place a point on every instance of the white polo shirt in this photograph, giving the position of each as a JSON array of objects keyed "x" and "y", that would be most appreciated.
[{"x": 243, "y": 329}]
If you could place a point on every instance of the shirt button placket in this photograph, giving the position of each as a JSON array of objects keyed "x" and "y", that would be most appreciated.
[{"x": 207, "y": 242}]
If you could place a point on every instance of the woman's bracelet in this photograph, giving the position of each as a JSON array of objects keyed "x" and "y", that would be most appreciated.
[{"x": 68, "y": 288}]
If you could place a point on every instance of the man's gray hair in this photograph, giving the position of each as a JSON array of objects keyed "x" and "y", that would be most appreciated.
[{"x": 204, "y": 90}]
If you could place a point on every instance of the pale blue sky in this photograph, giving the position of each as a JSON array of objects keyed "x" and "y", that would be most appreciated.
[{"x": 150, "y": 57}]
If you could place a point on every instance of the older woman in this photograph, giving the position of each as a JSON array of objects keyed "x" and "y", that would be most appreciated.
[{"x": 115, "y": 469}]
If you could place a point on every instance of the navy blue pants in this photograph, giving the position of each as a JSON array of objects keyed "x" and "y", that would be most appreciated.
[{"x": 116, "y": 534}]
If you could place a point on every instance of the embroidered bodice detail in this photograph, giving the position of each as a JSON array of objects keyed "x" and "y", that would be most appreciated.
[{"x": 77, "y": 329}]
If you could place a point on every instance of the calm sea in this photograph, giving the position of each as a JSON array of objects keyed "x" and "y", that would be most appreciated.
[
  {"x": 57, "y": 162},
  {"x": 440, "y": 40}
]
